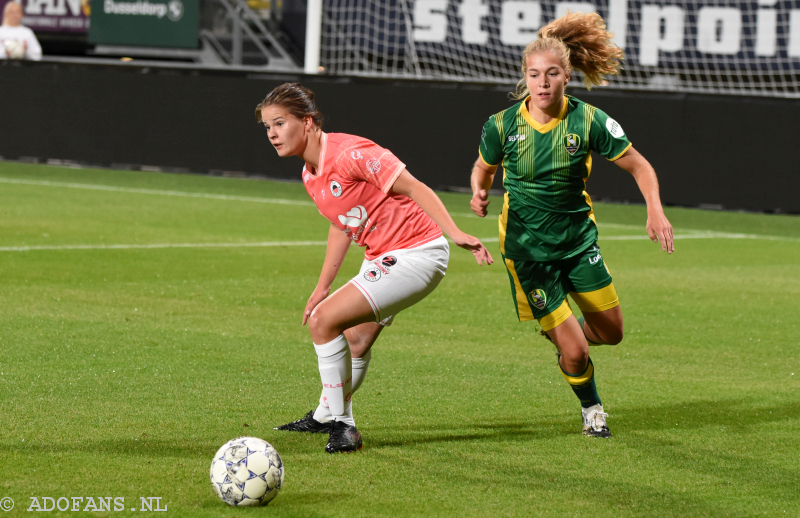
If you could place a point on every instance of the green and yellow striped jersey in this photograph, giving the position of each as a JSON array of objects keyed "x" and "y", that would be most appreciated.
[{"x": 547, "y": 214}]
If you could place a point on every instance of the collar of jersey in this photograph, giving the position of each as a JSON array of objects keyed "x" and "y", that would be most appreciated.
[
  {"x": 543, "y": 128},
  {"x": 318, "y": 169}
]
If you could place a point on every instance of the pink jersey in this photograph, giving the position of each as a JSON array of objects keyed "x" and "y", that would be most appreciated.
[{"x": 352, "y": 189}]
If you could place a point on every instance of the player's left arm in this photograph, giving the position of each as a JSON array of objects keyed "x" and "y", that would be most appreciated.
[
  {"x": 338, "y": 244},
  {"x": 424, "y": 196},
  {"x": 658, "y": 226}
]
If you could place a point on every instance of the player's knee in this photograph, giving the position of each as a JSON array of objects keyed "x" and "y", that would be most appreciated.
[
  {"x": 318, "y": 323},
  {"x": 575, "y": 359}
]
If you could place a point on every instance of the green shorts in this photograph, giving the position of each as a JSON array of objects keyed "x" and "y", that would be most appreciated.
[{"x": 540, "y": 289}]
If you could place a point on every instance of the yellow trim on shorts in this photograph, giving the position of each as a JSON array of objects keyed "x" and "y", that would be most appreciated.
[
  {"x": 524, "y": 310},
  {"x": 503, "y": 224},
  {"x": 580, "y": 379},
  {"x": 557, "y": 317},
  {"x": 597, "y": 300}
]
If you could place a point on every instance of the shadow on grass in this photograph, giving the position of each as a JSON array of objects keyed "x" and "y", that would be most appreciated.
[{"x": 737, "y": 414}]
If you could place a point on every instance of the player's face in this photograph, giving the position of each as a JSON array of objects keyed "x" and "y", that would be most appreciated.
[
  {"x": 13, "y": 15},
  {"x": 287, "y": 133},
  {"x": 546, "y": 80}
]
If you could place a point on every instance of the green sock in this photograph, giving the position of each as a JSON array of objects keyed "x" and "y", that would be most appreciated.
[
  {"x": 583, "y": 385},
  {"x": 581, "y": 320}
]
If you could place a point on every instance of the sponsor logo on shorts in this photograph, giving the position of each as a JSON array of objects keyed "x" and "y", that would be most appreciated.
[
  {"x": 373, "y": 165},
  {"x": 614, "y": 128},
  {"x": 389, "y": 260},
  {"x": 514, "y": 138},
  {"x": 538, "y": 299},
  {"x": 598, "y": 257},
  {"x": 373, "y": 274},
  {"x": 336, "y": 189},
  {"x": 381, "y": 267},
  {"x": 572, "y": 143}
]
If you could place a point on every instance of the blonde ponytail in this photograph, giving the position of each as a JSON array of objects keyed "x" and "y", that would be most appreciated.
[{"x": 582, "y": 42}]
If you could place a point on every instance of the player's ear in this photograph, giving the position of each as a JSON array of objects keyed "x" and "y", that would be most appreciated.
[{"x": 568, "y": 77}]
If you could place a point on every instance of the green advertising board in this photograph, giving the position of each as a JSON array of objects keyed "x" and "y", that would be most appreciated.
[{"x": 147, "y": 23}]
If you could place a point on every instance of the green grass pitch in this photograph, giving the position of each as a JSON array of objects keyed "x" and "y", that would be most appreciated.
[{"x": 148, "y": 318}]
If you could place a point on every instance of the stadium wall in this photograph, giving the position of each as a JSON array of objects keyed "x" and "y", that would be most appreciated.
[{"x": 708, "y": 150}]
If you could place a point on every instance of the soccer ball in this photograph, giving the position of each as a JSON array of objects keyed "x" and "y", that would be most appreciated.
[
  {"x": 247, "y": 472},
  {"x": 14, "y": 49}
]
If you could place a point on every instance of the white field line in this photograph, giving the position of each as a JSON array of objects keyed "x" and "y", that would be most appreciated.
[
  {"x": 159, "y": 245},
  {"x": 94, "y": 187},
  {"x": 709, "y": 235},
  {"x": 692, "y": 233}
]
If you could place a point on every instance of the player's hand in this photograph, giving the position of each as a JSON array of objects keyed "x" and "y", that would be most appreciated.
[
  {"x": 479, "y": 203},
  {"x": 314, "y": 300},
  {"x": 660, "y": 230},
  {"x": 474, "y": 245}
]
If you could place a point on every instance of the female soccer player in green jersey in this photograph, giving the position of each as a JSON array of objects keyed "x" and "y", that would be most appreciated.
[{"x": 548, "y": 233}]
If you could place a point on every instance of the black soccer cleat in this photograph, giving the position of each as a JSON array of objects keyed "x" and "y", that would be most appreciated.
[
  {"x": 306, "y": 424},
  {"x": 343, "y": 439}
]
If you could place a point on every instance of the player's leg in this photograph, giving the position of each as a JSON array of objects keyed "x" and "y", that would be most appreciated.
[
  {"x": 603, "y": 327},
  {"x": 539, "y": 291},
  {"x": 385, "y": 286},
  {"x": 361, "y": 338},
  {"x": 591, "y": 287},
  {"x": 594, "y": 292}
]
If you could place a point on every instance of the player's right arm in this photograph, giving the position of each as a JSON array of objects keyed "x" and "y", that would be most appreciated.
[
  {"x": 338, "y": 243},
  {"x": 480, "y": 181},
  {"x": 490, "y": 154}
]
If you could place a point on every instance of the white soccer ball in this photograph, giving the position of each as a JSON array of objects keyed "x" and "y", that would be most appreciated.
[
  {"x": 247, "y": 472},
  {"x": 15, "y": 49}
]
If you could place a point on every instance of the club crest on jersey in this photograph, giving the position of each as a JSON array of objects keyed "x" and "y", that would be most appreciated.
[
  {"x": 572, "y": 143},
  {"x": 336, "y": 189},
  {"x": 389, "y": 260},
  {"x": 538, "y": 299},
  {"x": 373, "y": 165},
  {"x": 373, "y": 274}
]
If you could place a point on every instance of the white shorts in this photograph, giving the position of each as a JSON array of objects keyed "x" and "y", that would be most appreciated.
[{"x": 399, "y": 279}]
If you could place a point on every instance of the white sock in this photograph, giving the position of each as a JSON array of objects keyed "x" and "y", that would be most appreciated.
[
  {"x": 359, "y": 369},
  {"x": 335, "y": 371}
]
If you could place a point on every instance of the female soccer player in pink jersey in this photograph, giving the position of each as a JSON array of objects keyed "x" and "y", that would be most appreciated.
[{"x": 370, "y": 198}]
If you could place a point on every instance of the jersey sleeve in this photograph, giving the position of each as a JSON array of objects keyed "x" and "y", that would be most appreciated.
[
  {"x": 363, "y": 160},
  {"x": 491, "y": 148},
  {"x": 607, "y": 137}
]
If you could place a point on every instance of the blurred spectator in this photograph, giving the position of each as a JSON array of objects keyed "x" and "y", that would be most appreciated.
[{"x": 18, "y": 41}]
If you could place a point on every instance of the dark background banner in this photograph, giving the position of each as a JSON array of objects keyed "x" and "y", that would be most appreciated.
[
  {"x": 731, "y": 152},
  {"x": 148, "y": 23}
]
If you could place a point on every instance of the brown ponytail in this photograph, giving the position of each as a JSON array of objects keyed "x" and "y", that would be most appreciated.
[
  {"x": 296, "y": 99},
  {"x": 581, "y": 41}
]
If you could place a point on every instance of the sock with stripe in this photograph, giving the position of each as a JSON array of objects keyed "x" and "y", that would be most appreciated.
[
  {"x": 336, "y": 372},
  {"x": 583, "y": 385},
  {"x": 359, "y": 369}
]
